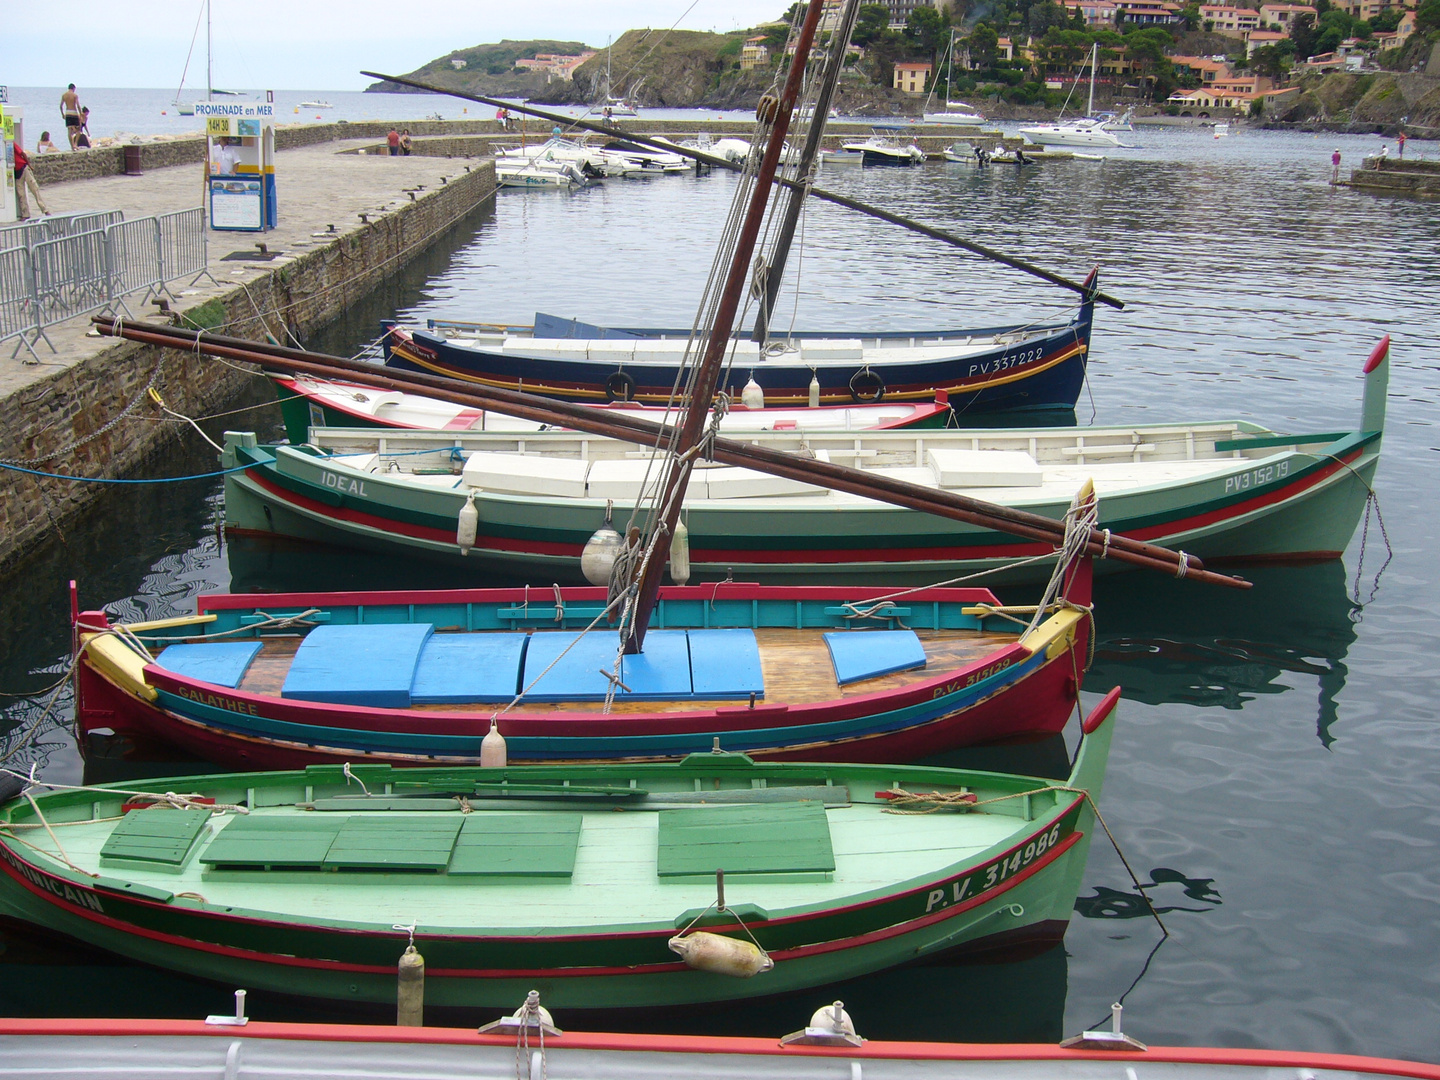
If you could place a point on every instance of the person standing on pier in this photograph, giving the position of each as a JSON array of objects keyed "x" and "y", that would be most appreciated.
[
  {"x": 70, "y": 110},
  {"x": 392, "y": 140},
  {"x": 1400, "y": 140},
  {"x": 405, "y": 142},
  {"x": 1335, "y": 166},
  {"x": 25, "y": 177}
]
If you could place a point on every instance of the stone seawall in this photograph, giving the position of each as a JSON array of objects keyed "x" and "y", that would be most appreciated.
[{"x": 95, "y": 419}]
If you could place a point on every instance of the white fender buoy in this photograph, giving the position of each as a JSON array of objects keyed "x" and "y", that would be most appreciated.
[
  {"x": 814, "y": 390},
  {"x": 752, "y": 397},
  {"x": 598, "y": 556},
  {"x": 492, "y": 748},
  {"x": 721, "y": 955},
  {"x": 680, "y": 554},
  {"x": 467, "y": 524}
]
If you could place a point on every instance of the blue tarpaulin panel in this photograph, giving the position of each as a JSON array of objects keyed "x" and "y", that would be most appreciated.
[
  {"x": 662, "y": 670},
  {"x": 358, "y": 665},
  {"x": 223, "y": 663},
  {"x": 458, "y": 668},
  {"x": 553, "y": 326},
  {"x": 866, "y": 654},
  {"x": 725, "y": 664}
]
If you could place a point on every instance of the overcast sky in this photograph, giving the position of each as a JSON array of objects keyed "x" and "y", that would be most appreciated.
[{"x": 310, "y": 44}]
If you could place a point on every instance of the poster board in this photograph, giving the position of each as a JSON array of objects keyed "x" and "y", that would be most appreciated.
[{"x": 240, "y": 164}]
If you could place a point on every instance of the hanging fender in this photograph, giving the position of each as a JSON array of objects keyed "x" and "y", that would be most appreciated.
[
  {"x": 619, "y": 386},
  {"x": 866, "y": 385}
]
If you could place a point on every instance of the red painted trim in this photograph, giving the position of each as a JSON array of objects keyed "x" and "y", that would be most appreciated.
[
  {"x": 717, "y": 1044},
  {"x": 1101, "y": 712},
  {"x": 1378, "y": 354}
]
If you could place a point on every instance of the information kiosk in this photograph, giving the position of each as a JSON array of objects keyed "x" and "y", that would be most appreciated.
[{"x": 240, "y": 164}]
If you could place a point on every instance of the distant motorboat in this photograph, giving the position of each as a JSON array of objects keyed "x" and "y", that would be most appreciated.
[
  {"x": 1088, "y": 130},
  {"x": 1082, "y": 132},
  {"x": 880, "y": 150},
  {"x": 1222, "y": 129},
  {"x": 316, "y": 105},
  {"x": 538, "y": 173}
]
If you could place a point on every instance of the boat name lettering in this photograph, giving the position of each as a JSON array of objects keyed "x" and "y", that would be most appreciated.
[
  {"x": 216, "y": 701},
  {"x": 1001, "y": 363},
  {"x": 344, "y": 485},
  {"x": 973, "y": 678},
  {"x": 69, "y": 893},
  {"x": 1257, "y": 477},
  {"x": 987, "y": 877}
]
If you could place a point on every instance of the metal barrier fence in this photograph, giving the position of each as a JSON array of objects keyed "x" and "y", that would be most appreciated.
[
  {"x": 182, "y": 242},
  {"x": 18, "y": 304},
  {"x": 34, "y": 231},
  {"x": 136, "y": 258},
  {"x": 56, "y": 268}
]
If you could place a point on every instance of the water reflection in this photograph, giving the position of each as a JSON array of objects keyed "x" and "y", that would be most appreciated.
[
  {"x": 1109, "y": 903},
  {"x": 1165, "y": 641}
]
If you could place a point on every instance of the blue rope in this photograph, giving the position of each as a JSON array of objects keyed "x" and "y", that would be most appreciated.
[{"x": 158, "y": 480}]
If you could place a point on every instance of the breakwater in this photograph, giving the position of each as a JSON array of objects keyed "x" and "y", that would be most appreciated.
[{"x": 88, "y": 412}]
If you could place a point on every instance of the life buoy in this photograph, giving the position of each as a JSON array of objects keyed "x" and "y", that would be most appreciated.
[
  {"x": 866, "y": 385},
  {"x": 619, "y": 387}
]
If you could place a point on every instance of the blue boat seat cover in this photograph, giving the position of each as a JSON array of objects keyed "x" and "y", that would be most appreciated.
[
  {"x": 455, "y": 669},
  {"x": 368, "y": 665},
  {"x": 223, "y": 663},
  {"x": 868, "y": 654},
  {"x": 725, "y": 664}
]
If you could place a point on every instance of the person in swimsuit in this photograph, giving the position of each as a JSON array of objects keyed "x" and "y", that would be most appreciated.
[{"x": 70, "y": 110}]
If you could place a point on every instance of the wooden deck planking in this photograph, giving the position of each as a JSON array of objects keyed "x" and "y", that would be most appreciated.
[{"x": 796, "y": 665}]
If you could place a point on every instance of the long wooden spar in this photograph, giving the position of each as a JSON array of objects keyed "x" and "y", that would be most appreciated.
[
  {"x": 795, "y": 185},
  {"x": 946, "y": 504}
]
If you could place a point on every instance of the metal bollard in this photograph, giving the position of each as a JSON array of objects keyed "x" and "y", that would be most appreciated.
[{"x": 410, "y": 990}]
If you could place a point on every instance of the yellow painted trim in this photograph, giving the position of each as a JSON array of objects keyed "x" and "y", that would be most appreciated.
[
  {"x": 166, "y": 624},
  {"x": 1056, "y": 635},
  {"x": 120, "y": 664}
]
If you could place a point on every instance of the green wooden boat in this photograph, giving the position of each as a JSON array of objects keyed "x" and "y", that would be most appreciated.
[{"x": 586, "y": 883}]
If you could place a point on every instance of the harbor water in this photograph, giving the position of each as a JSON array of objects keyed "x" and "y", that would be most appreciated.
[{"x": 1276, "y": 766}]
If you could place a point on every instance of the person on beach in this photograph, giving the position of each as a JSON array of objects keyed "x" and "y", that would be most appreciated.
[
  {"x": 45, "y": 146},
  {"x": 25, "y": 178},
  {"x": 405, "y": 142},
  {"x": 1400, "y": 140},
  {"x": 82, "y": 133},
  {"x": 392, "y": 140},
  {"x": 70, "y": 110}
]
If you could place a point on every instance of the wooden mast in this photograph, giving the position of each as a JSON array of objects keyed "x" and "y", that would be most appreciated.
[
  {"x": 707, "y": 374},
  {"x": 780, "y": 251}
]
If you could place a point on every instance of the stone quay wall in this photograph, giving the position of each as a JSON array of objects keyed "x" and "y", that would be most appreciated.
[{"x": 95, "y": 419}]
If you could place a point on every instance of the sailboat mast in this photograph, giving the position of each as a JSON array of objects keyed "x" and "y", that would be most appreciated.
[
  {"x": 1094, "y": 50},
  {"x": 707, "y": 375},
  {"x": 209, "y": 83},
  {"x": 785, "y": 235}
]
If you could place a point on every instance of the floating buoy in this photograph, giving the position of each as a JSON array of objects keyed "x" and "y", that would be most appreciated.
[
  {"x": 467, "y": 524},
  {"x": 721, "y": 955},
  {"x": 492, "y": 748},
  {"x": 297, "y": 108},
  {"x": 680, "y": 554},
  {"x": 752, "y": 397},
  {"x": 814, "y": 398},
  {"x": 410, "y": 989},
  {"x": 598, "y": 556}
]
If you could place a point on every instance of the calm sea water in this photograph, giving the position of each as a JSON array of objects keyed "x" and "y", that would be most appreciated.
[{"x": 1276, "y": 768}]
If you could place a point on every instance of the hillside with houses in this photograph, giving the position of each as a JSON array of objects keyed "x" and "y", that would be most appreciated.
[{"x": 1331, "y": 61}]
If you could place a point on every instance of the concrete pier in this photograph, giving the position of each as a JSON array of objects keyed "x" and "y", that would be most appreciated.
[{"x": 347, "y": 220}]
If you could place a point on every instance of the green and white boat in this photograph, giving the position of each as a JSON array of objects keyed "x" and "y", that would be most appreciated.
[
  {"x": 595, "y": 885},
  {"x": 1220, "y": 490}
]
